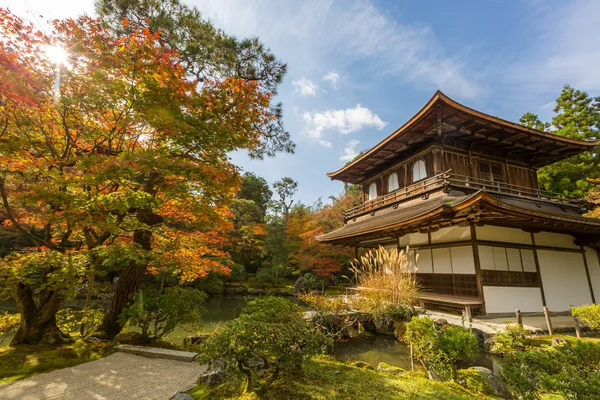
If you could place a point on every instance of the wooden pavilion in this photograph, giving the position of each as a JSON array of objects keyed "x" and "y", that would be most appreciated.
[{"x": 460, "y": 188}]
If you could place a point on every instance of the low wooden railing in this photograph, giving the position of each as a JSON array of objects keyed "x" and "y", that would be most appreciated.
[
  {"x": 507, "y": 188},
  {"x": 447, "y": 179}
]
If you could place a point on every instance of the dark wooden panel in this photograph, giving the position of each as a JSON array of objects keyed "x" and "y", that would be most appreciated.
[
  {"x": 454, "y": 284},
  {"x": 510, "y": 278}
]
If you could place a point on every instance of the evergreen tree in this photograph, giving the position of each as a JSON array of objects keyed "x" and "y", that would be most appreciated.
[{"x": 577, "y": 116}]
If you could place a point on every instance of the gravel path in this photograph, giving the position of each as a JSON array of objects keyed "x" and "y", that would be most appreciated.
[{"x": 118, "y": 376}]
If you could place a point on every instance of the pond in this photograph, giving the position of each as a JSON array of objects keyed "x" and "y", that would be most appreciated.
[{"x": 371, "y": 348}]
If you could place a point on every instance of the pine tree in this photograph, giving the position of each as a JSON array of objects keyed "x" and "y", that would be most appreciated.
[{"x": 577, "y": 116}]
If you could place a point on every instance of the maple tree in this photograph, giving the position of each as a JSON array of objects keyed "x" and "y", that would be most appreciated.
[
  {"x": 309, "y": 254},
  {"x": 127, "y": 169}
]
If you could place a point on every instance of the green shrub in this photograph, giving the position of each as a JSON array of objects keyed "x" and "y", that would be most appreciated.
[
  {"x": 590, "y": 314},
  {"x": 69, "y": 321},
  {"x": 440, "y": 347},
  {"x": 308, "y": 282},
  {"x": 570, "y": 370},
  {"x": 212, "y": 283},
  {"x": 272, "y": 275},
  {"x": 157, "y": 314},
  {"x": 511, "y": 339},
  {"x": 331, "y": 314},
  {"x": 270, "y": 329},
  {"x": 9, "y": 323},
  {"x": 237, "y": 274},
  {"x": 473, "y": 381}
]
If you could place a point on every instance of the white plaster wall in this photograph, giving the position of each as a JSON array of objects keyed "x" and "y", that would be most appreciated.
[
  {"x": 555, "y": 240},
  {"x": 441, "y": 261},
  {"x": 413, "y": 239},
  {"x": 462, "y": 260},
  {"x": 502, "y": 299},
  {"x": 514, "y": 260},
  {"x": 500, "y": 258},
  {"x": 564, "y": 279},
  {"x": 501, "y": 234},
  {"x": 593, "y": 263},
  {"x": 451, "y": 234},
  {"x": 528, "y": 260},
  {"x": 424, "y": 261},
  {"x": 486, "y": 257}
]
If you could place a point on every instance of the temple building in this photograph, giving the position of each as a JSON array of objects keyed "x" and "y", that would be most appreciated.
[{"x": 460, "y": 188}]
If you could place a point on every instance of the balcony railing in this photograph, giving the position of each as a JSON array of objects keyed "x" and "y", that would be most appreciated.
[{"x": 447, "y": 180}]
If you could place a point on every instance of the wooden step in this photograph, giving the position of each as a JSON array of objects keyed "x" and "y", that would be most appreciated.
[{"x": 154, "y": 352}]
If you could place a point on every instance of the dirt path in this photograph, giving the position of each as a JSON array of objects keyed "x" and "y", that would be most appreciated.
[{"x": 119, "y": 376}]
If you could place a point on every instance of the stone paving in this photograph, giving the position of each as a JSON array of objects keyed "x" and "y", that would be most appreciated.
[{"x": 118, "y": 376}]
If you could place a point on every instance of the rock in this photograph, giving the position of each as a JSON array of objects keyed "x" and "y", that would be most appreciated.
[
  {"x": 497, "y": 386},
  {"x": 129, "y": 338},
  {"x": 299, "y": 285},
  {"x": 212, "y": 377},
  {"x": 482, "y": 337},
  {"x": 195, "y": 339},
  {"x": 181, "y": 396},
  {"x": 256, "y": 292},
  {"x": 235, "y": 290},
  {"x": 557, "y": 341},
  {"x": 361, "y": 364},
  {"x": 257, "y": 364},
  {"x": 383, "y": 367},
  {"x": 369, "y": 326},
  {"x": 440, "y": 321}
]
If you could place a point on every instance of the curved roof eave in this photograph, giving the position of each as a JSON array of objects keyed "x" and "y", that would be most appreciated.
[{"x": 439, "y": 96}]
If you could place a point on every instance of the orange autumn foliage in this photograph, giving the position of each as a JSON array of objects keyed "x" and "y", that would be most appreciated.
[{"x": 131, "y": 143}]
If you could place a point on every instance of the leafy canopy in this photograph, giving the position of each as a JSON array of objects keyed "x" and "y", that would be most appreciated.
[
  {"x": 134, "y": 143},
  {"x": 577, "y": 116}
]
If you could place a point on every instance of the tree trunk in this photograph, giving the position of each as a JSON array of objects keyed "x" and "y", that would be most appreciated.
[
  {"x": 38, "y": 324},
  {"x": 127, "y": 285}
]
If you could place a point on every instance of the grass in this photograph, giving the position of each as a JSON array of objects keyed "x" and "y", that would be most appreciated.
[
  {"x": 28, "y": 360},
  {"x": 325, "y": 378}
]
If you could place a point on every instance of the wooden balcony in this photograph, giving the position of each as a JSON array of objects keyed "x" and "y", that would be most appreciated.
[{"x": 449, "y": 180}]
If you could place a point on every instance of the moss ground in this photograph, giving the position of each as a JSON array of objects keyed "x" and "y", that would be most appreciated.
[
  {"x": 325, "y": 378},
  {"x": 24, "y": 361}
]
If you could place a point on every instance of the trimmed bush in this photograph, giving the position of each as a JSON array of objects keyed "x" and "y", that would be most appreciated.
[
  {"x": 513, "y": 338},
  {"x": 570, "y": 370},
  {"x": 590, "y": 314},
  {"x": 158, "y": 313},
  {"x": 271, "y": 330},
  {"x": 440, "y": 347}
]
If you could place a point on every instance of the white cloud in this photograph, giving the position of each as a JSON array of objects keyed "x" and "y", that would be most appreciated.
[
  {"x": 306, "y": 87},
  {"x": 344, "y": 121},
  {"x": 312, "y": 34},
  {"x": 333, "y": 78},
  {"x": 350, "y": 151},
  {"x": 567, "y": 49}
]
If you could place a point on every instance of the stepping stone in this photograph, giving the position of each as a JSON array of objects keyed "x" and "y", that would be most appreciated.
[{"x": 153, "y": 352}]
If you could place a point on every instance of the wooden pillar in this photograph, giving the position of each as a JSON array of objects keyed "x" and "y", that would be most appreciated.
[
  {"x": 356, "y": 252},
  {"x": 477, "y": 266},
  {"x": 436, "y": 161},
  {"x": 548, "y": 320},
  {"x": 587, "y": 273},
  {"x": 537, "y": 268}
]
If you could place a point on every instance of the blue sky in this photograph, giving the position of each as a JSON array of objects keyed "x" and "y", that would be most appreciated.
[{"x": 358, "y": 69}]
